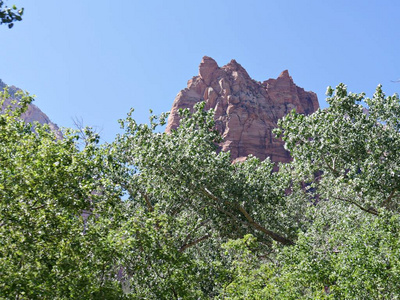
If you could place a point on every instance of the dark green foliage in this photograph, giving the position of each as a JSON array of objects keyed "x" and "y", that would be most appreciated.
[{"x": 10, "y": 15}]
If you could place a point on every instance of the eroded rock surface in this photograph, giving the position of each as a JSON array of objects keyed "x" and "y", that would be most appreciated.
[{"x": 246, "y": 110}]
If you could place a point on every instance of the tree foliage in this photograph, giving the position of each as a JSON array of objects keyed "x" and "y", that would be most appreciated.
[
  {"x": 8, "y": 15},
  {"x": 191, "y": 224},
  {"x": 54, "y": 204},
  {"x": 183, "y": 174},
  {"x": 347, "y": 160}
]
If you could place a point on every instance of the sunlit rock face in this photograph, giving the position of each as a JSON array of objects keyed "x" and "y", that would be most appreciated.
[
  {"x": 33, "y": 113},
  {"x": 246, "y": 110}
]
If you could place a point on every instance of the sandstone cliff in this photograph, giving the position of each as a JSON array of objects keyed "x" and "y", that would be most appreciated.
[
  {"x": 33, "y": 113},
  {"x": 246, "y": 110}
]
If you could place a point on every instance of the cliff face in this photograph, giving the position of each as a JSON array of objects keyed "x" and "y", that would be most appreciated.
[
  {"x": 33, "y": 113},
  {"x": 246, "y": 111}
]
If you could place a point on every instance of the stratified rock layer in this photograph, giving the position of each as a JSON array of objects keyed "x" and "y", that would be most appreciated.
[
  {"x": 246, "y": 110},
  {"x": 33, "y": 113}
]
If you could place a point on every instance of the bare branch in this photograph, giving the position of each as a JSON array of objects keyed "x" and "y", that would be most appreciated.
[
  {"x": 39, "y": 207},
  {"x": 250, "y": 220}
]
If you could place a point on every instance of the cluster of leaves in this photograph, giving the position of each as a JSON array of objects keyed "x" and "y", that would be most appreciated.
[
  {"x": 8, "y": 15},
  {"x": 191, "y": 224}
]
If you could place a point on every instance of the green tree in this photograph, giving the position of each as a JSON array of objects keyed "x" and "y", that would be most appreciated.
[
  {"x": 180, "y": 177},
  {"x": 10, "y": 15},
  {"x": 346, "y": 159},
  {"x": 66, "y": 232},
  {"x": 183, "y": 174},
  {"x": 195, "y": 226},
  {"x": 50, "y": 248}
]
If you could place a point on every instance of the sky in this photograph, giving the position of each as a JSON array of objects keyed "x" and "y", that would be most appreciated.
[{"x": 94, "y": 60}]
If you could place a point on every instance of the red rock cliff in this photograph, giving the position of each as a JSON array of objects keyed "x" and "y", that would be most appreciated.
[{"x": 246, "y": 111}]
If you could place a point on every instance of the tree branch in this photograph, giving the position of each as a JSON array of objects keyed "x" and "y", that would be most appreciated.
[
  {"x": 336, "y": 172},
  {"x": 273, "y": 235},
  {"x": 387, "y": 200},
  {"x": 148, "y": 203},
  {"x": 189, "y": 235},
  {"x": 39, "y": 207},
  {"x": 369, "y": 210},
  {"x": 193, "y": 243}
]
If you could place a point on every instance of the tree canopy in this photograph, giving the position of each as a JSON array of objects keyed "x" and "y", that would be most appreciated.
[
  {"x": 8, "y": 15},
  {"x": 166, "y": 216}
]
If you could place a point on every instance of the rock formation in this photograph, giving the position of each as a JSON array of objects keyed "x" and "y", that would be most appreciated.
[
  {"x": 246, "y": 110},
  {"x": 33, "y": 113}
]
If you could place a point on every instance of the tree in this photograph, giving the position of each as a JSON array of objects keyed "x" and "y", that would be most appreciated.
[
  {"x": 202, "y": 200},
  {"x": 10, "y": 15},
  {"x": 355, "y": 149},
  {"x": 346, "y": 159},
  {"x": 66, "y": 232},
  {"x": 192, "y": 225},
  {"x": 56, "y": 213},
  {"x": 183, "y": 174}
]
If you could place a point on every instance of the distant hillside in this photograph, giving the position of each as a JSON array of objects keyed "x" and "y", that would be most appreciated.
[{"x": 33, "y": 113}]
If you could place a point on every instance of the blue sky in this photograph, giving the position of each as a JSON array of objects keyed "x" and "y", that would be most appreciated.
[{"x": 94, "y": 60}]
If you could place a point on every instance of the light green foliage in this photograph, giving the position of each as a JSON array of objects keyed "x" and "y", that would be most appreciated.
[
  {"x": 195, "y": 226},
  {"x": 185, "y": 177},
  {"x": 356, "y": 150},
  {"x": 181, "y": 177},
  {"x": 347, "y": 161},
  {"x": 249, "y": 274},
  {"x": 45, "y": 185}
]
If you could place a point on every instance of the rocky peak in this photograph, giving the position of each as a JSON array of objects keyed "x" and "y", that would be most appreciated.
[
  {"x": 285, "y": 75},
  {"x": 236, "y": 70},
  {"x": 246, "y": 111},
  {"x": 234, "y": 66},
  {"x": 206, "y": 69}
]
